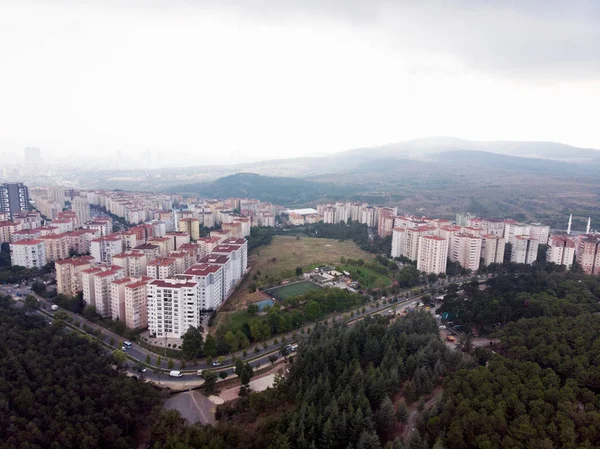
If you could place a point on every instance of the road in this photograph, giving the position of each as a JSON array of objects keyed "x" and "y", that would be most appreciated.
[{"x": 190, "y": 378}]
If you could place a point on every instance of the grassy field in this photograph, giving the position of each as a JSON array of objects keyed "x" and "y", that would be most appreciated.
[
  {"x": 366, "y": 277},
  {"x": 296, "y": 289},
  {"x": 290, "y": 253},
  {"x": 279, "y": 260}
]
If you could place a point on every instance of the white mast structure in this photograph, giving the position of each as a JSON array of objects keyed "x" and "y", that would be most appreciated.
[
  {"x": 587, "y": 230},
  {"x": 569, "y": 226}
]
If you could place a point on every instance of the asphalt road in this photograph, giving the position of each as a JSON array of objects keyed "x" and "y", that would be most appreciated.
[{"x": 190, "y": 376}]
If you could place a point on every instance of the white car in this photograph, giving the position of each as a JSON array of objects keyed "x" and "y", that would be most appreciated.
[{"x": 442, "y": 327}]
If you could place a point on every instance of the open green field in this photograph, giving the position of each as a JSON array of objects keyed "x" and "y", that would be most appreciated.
[
  {"x": 290, "y": 253},
  {"x": 366, "y": 277},
  {"x": 277, "y": 261},
  {"x": 296, "y": 289}
]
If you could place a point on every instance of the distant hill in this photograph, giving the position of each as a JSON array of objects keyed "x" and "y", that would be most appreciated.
[{"x": 278, "y": 190}]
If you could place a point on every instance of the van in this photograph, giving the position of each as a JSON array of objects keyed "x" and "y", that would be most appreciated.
[
  {"x": 175, "y": 374},
  {"x": 54, "y": 307},
  {"x": 127, "y": 344}
]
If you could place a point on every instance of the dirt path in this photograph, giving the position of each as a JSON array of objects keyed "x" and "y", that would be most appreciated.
[{"x": 413, "y": 415}]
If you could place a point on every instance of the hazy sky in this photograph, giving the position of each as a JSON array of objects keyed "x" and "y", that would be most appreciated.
[{"x": 255, "y": 79}]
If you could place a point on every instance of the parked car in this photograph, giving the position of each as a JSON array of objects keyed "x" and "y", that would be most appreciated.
[
  {"x": 175, "y": 373},
  {"x": 216, "y": 363},
  {"x": 442, "y": 327}
]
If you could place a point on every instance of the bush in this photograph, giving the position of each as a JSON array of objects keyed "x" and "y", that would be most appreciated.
[
  {"x": 223, "y": 374},
  {"x": 256, "y": 349}
]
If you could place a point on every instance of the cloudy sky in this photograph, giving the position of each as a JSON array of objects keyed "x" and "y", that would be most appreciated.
[{"x": 256, "y": 79}]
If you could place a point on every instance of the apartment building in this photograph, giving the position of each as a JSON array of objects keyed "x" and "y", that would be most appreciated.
[
  {"x": 172, "y": 307},
  {"x": 104, "y": 248},
  {"x": 63, "y": 225},
  {"x": 398, "y": 237},
  {"x": 191, "y": 226},
  {"x": 69, "y": 274},
  {"x": 561, "y": 250},
  {"x": 539, "y": 232},
  {"x": 162, "y": 268},
  {"x": 235, "y": 254},
  {"x": 134, "y": 262},
  {"x": 151, "y": 251},
  {"x": 492, "y": 249},
  {"x": 220, "y": 234},
  {"x": 81, "y": 207},
  {"x": 524, "y": 250},
  {"x": 104, "y": 227},
  {"x": 182, "y": 260},
  {"x": 512, "y": 229},
  {"x": 385, "y": 223},
  {"x": 28, "y": 253},
  {"x": 466, "y": 250},
  {"x": 117, "y": 297},
  {"x": 97, "y": 290},
  {"x": 193, "y": 250},
  {"x": 412, "y": 240},
  {"x": 57, "y": 246},
  {"x": 25, "y": 234},
  {"x": 14, "y": 198},
  {"x": 207, "y": 244},
  {"x": 243, "y": 243},
  {"x": 226, "y": 264},
  {"x": 136, "y": 304},
  {"x": 165, "y": 244},
  {"x": 7, "y": 228},
  {"x": 80, "y": 240},
  {"x": 432, "y": 254},
  {"x": 209, "y": 280},
  {"x": 588, "y": 253}
]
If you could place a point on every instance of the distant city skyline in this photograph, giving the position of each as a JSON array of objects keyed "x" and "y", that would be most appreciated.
[{"x": 249, "y": 80}]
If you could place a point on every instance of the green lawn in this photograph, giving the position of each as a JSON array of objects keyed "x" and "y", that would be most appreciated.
[
  {"x": 366, "y": 277},
  {"x": 299, "y": 288}
]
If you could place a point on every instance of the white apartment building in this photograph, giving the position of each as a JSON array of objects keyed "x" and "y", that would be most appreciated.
[
  {"x": 97, "y": 287},
  {"x": 134, "y": 262},
  {"x": 102, "y": 226},
  {"x": 165, "y": 244},
  {"x": 398, "y": 236},
  {"x": 243, "y": 243},
  {"x": 182, "y": 260},
  {"x": 162, "y": 268},
  {"x": 524, "y": 250},
  {"x": 413, "y": 237},
  {"x": 209, "y": 280},
  {"x": 177, "y": 239},
  {"x": 226, "y": 264},
  {"x": 448, "y": 232},
  {"x": 28, "y": 253},
  {"x": 368, "y": 216},
  {"x": 296, "y": 219},
  {"x": 588, "y": 253},
  {"x": 492, "y": 249},
  {"x": 63, "y": 225},
  {"x": 513, "y": 229},
  {"x": 235, "y": 254},
  {"x": 433, "y": 254},
  {"x": 172, "y": 307},
  {"x": 221, "y": 234},
  {"x": 69, "y": 274},
  {"x": 466, "y": 250},
  {"x": 539, "y": 232},
  {"x": 561, "y": 250},
  {"x": 104, "y": 248}
]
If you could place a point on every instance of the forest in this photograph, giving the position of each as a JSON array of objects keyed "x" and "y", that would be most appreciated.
[
  {"x": 58, "y": 390},
  {"x": 348, "y": 388}
]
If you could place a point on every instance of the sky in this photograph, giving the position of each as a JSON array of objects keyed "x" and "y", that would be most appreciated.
[{"x": 218, "y": 81}]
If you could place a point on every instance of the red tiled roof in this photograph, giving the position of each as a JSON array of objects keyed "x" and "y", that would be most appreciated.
[
  {"x": 202, "y": 269},
  {"x": 215, "y": 258},
  {"x": 27, "y": 242}
]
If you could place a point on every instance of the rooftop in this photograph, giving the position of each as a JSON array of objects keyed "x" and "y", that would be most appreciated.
[
  {"x": 202, "y": 269},
  {"x": 215, "y": 258},
  {"x": 28, "y": 242}
]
